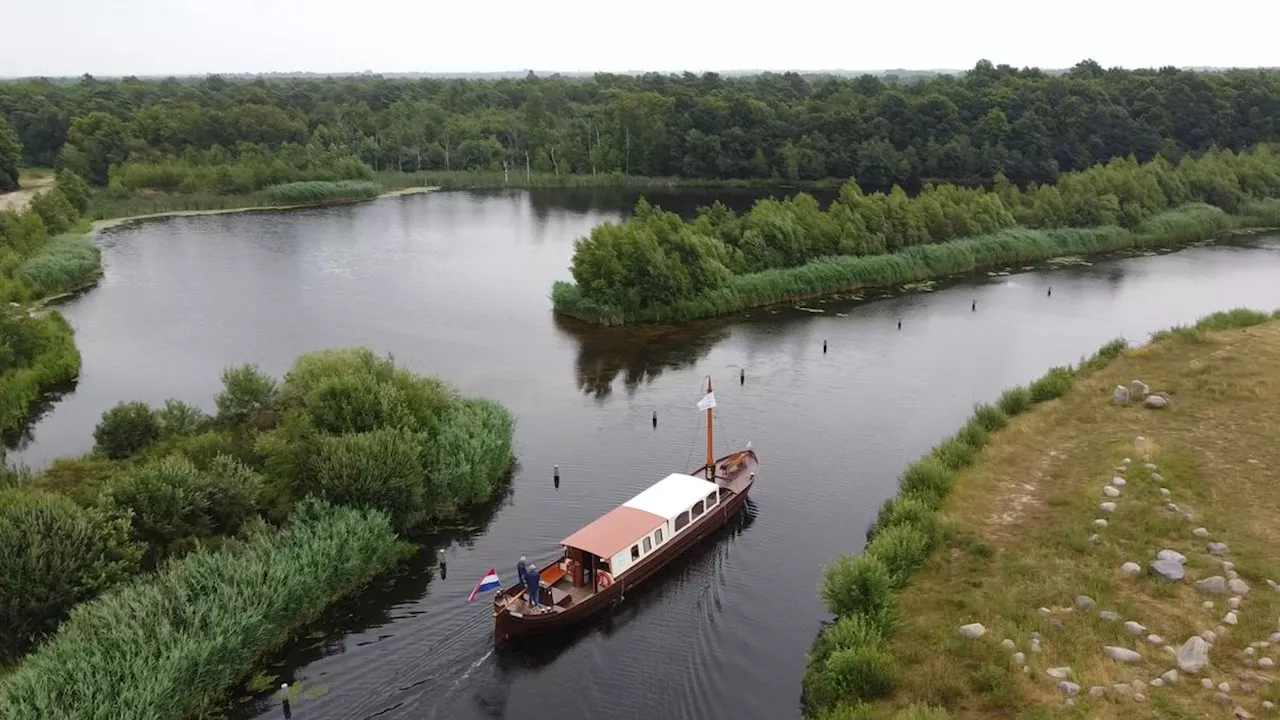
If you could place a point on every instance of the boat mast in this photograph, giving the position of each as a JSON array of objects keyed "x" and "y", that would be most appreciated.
[{"x": 711, "y": 462}]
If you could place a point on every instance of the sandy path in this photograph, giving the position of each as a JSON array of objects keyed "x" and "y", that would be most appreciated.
[{"x": 32, "y": 185}]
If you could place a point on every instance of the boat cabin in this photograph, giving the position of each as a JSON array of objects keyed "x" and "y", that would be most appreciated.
[{"x": 610, "y": 546}]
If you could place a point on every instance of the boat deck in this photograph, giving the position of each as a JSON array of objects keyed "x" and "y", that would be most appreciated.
[{"x": 736, "y": 472}]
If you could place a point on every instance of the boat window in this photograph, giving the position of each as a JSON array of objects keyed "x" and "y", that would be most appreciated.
[
  {"x": 635, "y": 552},
  {"x": 681, "y": 520},
  {"x": 657, "y": 536},
  {"x": 697, "y": 509},
  {"x": 648, "y": 545},
  {"x": 711, "y": 499}
]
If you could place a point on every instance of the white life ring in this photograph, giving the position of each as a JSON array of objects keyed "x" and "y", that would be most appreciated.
[{"x": 603, "y": 580}]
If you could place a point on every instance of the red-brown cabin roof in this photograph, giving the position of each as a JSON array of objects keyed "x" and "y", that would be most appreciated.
[{"x": 617, "y": 529}]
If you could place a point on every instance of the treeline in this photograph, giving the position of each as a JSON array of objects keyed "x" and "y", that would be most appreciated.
[
  {"x": 1025, "y": 123},
  {"x": 166, "y": 487},
  {"x": 656, "y": 266}
]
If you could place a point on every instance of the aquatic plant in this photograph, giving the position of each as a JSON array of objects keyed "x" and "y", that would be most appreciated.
[
  {"x": 171, "y": 646},
  {"x": 312, "y": 192}
]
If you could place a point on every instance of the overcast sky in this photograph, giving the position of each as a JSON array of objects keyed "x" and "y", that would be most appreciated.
[{"x": 162, "y": 37}]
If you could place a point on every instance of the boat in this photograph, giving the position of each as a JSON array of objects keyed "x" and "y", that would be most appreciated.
[{"x": 627, "y": 545}]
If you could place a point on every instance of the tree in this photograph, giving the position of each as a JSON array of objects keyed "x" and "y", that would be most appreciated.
[
  {"x": 125, "y": 429},
  {"x": 247, "y": 391},
  {"x": 10, "y": 157}
]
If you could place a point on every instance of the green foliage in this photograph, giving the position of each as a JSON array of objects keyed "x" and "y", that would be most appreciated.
[
  {"x": 1053, "y": 384},
  {"x": 381, "y": 469},
  {"x": 909, "y": 510},
  {"x": 126, "y": 429},
  {"x": 54, "y": 210},
  {"x": 1103, "y": 356},
  {"x": 860, "y": 585},
  {"x": 67, "y": 263},
  {"x": 859, "y": 674},
  {"x": 860, "y": 711},
  {"x": 1015, "y": 401},
  {"x": 174, "y": 646},
  {"x": 901, "y": 547},
  {"x": 53, "y": 555},
  {"x": 1236, "y": 319},
  {"x": 246, "y": 392},
  {"x": 928, "y": 480},
  {"x": 471, "y": 454},
  {"x": 922, "y": 712},
  {"x": 10, "y": 157},
  {"x": 319, "y": 191},
  {"x": 36, "y": 353},
  {"x": 75, "y": 190},
  {"x": 180, "y": 419}
]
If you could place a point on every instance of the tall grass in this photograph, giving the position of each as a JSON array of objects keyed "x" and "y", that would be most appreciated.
[
  {"x": 67, "y": 263},
  {"x": 859, "y": 590},
  {"x": 319, "y": 191},
  {"x": 170, "y": 647},
  {"x": 56, "y": 361},
  {"x": 921, "y": 262},
  {"x": 488, "y": 179}
]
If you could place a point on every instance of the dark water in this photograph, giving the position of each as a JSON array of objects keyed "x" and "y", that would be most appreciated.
[{"x": 455, "y": 284}]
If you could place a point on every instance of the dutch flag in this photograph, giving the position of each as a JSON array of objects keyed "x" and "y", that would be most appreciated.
[{"x": 488, "y": 582}]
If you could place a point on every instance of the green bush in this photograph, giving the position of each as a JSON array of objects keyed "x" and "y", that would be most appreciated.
[
  {"x": 169, "y": 502},
  {"x": 1104, "y": 355},
  {"x": 1014, "y": 401},
  {"x": 470, "y": 455},
  {"x": 319, "y": 191},
  {"x": 902, "y": 548},
  {"x": 859, "y": 585},
  {"x": 36, "y": 354},
  {"x": 928, "y": 480},
  {"x": 856, "y": 674},
  {"x": 75, "y": 189},
  {"x": 126, "y": 429},
  {"x": 358, "y": 403},
  {"x": 1053, "y": 384},
  {"x": 247, "y": 392},
  {"x": 180, "y": 419},
  {"x": 380, "y": 470},
  {"x": 173, "y": 646},
  {"x": 989, "y": 417},
  {"x": 955, "y": 454},
  {"x": 910, "y": 510},
  {"x": 53, "y": 555},
  {"x": 846, "y": 633},
  {"x": 234, "y": 491},
  {"x": 426, "y": 398},
  {"x": 55, "y": 210}
]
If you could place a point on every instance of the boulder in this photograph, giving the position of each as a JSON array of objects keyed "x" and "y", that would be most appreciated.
[
  {"x": 1238, "y": 586},
  {"x": 1107, "y": 507},
  {"x": 1164, "y": 492},
  {"x": 1207, "y": 604},
  {"x": 1069, "y": 689},
  {"x": 1216, "y": 585},
  {"x": 1138, "y": 389},
  {"x": 1200, "y": 532},
  {"x": 1155, "y": 640},
  {"x": 1170, "y": 570},
  {"x": 1124, "y": 655},
  {"x": 1120, "y": 396},
  {"x": 1234, "y": 603},
  {"x": 1266, "y": 663},
  {"x": 1110, "y": 491},
  {"x": 1059, "y": 673},
  {"x": 1230, "y": 618},
  {"x": 1134, "y": 628},
  {"x": 1097, "y": 691},
  {"x": 1094, "y": 539},
  {"x": 1170, "y": 677},
  {"x": 1209, "y": 636},
  {"x": 1217, "y": 549},
  {"x": 972, "y": 631},
  {"x": 1007, "y": 644},
  {"x": 1157, "y": 478},
  {"x": 1100, "y": 523},
  {"x": 1155, "y": 402},
  {"x": 1108, "y": 616},
  {"x": 1019, "y": 658},
  {"x": 1157, "y": 683},
  {"x": 1224, "y": 687},
  {"x": 1131, "y": 569},
  {"x": 1173, "y": 555},
  {"x": 1119, "y": 481},
  {"x": 1206, "y": 683},
  {"x": 1193, "y": 656}
]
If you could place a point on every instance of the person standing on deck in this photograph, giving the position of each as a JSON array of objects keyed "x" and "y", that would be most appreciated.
[
  {"x": 531, "y": 582},
  {"x": 520, "y": 571}
]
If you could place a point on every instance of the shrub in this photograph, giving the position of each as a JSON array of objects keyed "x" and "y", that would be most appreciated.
[
  {"x": 246, "y": 392},
  {"x": 989, "y": 417},
  {"x": 53, "y": 555},
  {"x": 848, "y": 632},
  {"x": 902, "y": 548},
  {"x": 1014, "y": 401},
  {"x": 1053, "y": 384},
  {"x": 470, "y": 455},
  {"x": 380, "y": 470},
  {"x": 859, "y": 585},
  {"x": 1104, "y": 355},
  {"x": 169, "y": 501},
  {"x": 233, "y": 491},
  {"x": 856, "y": 674},
  {"x": 180, "y": 419},
  {"x": 928, "y": 480},
  {"x": 172, "y": 646},
  {"x": 55, "y": 210},
  {"x": 202, "y": 449},
  {"x": 67, "y": 263},
  {"x": 908, "y": 509},
  {"x": 125, "y": 429},
  {"x": 425, "y": 398},
  {"x": 75, "y": 189},
  {"x": 955, "y": 454},
  {"x": 357, "y": 403}
]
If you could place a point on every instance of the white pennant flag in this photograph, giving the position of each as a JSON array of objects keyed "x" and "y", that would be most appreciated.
[{"x": 707, "y": 402}]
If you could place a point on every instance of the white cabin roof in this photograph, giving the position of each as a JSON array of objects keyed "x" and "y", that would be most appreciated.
[{"x": 671, "y": 495}]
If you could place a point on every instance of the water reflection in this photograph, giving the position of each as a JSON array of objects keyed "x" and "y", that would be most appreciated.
[{"x": 639, "y": 354}]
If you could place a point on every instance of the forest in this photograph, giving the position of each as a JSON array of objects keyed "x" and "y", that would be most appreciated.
[
  {"x": 658, "y": 267},
  {"x": 1027, "y": 124}
]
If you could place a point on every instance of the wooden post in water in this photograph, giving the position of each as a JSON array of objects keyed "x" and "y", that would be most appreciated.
[
  {"x": 655, "y": 419},
  {"x": 742, "y": 376},
  {"x": 284, "y": 690},
  {"x": 824, "y": 347},
  {"x": 556, "y": 476},
  {"x": 444, "y": 564}
]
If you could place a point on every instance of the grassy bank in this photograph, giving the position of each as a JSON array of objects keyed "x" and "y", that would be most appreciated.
[
  {"x": 107, "y": 204},
  {"x": 171, "y": 646},
  {"x": 41, "y": 354},
  {"x": 66, "y": 264},
  {"x": 492, "y": 180},
  {"x": 995, "y": 527},
  {"x": 922, "y": 262}
]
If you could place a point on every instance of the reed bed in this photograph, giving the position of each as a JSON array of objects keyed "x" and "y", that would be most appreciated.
[
  {"x": 922, "y": 262},
  {"x": 56, "y": 361},
  {"x": 171, "y": 646},
  {"x": 314, "y": 192},
  {"x": 487, "y": 179},
  {"x": 67, "y": 263}
]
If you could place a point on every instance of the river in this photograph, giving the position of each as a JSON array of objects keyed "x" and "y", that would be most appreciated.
[{"x": 456, "y": 284}]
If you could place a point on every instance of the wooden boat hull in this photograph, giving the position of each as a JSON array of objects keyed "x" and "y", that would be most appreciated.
[{"x": 510, "y": 625}]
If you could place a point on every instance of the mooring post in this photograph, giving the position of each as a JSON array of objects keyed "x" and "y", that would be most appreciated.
[
  {"x": 655, "y": 418},
  {"x": 284, "y": 690},
  {"x": 742, "y": 376},
  {"x": 557, "y": 476},
  {"x": 975, "y": 306},
  {"x": 899, "y": 323},
  {"x": 444, "y": 564},
  {"x": 824, "y": 347},
  {"x": 1050, "y": 293}
]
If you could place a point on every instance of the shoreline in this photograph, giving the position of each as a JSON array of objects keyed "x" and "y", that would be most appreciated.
[
  {"x": 992, "y": 535},
  {"x": 568, "y": 301},
  {"x": 108, "y": 223}
]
